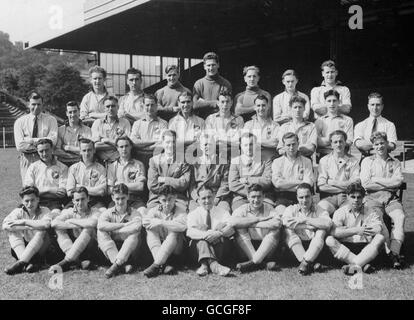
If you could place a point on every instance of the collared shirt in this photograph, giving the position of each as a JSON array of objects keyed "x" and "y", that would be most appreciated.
[
  {"x": 318, "y": 92},
  {"x": 245, "y": 211},
  {"x": 42, "y": 213},
  {"x": 345, "y": 217},
  {"x": 92, "y": 102},
  {"x": 102, "y": 128},
  {"x": 299, "y": 169},
  {"x": 281, "y": 104},
  {"x": 227, "y": 129},
  {"x": 295, "y": 211},
  {"x": 23, "y": 130},
  {"x": 375, "y": 166},
  {"x": 208, "y": 173},
  {"x": 42, "y": 176},
  {"x": 168, "y": 96},
  {"x": 363, "y": 129},
  {"x": 131, "y": 104},
  {"x": 81, "y": 175},
  {"x": 306, "y": 132},
  {"x": 197, "y": 218},
  {"x": 189, "y": 129},
  {"x": 131, "y": 172},
  {"x": 263, "y": 130},
  {"x": 72, "y": 213},
  {"x": 176, "y": 215},
  {"x": 69, "y": 136},
  {"x": 246, "y": 98},
  {"x": 341, "y": 169},
  {"x": 327, "y": 124},
  {"x": 148, "y": 129},
  {"x": 113, "y": 216}
]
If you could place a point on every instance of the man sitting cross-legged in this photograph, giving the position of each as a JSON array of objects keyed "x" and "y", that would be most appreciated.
[
  {"x": 165, "y": 225},
  {"x": 356, "y": 228},
  {"x": 257, "y": 230},
  {"x": 76, "y": 232},
  {"x": 304, "y": 223},
  {"x": 119, "y": 226}
]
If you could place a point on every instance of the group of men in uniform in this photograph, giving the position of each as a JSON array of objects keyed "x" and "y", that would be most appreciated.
[{"x": 223, "y": 173}]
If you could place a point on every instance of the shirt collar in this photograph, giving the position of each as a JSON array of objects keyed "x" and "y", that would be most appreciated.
[{"x": 105, "y": 120}]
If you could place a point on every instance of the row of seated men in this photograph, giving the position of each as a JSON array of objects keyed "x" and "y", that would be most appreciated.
[{"x": 279, "y": 179}]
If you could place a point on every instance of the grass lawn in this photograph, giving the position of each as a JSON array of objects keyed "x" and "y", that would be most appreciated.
[{"x": 287, "y": 284}]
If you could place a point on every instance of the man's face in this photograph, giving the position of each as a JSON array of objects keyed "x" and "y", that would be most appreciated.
[
  {"x": 186, "y": 104},
  {"x": 255, "y": 199},
  {"x": 207, "y": 146},
  {"x": 304, "y": 197},
  {"x": 134, "y": 82},
  {"x": 124, "y": 149},
  {"x": 297, "y": 110},
  {"x": 80, "y": 201},
  {"x": 211, "y": 67},
  {"x": 251, "y": 78},
  {"x": 206, "y": 199},
  {"x": 172, "y": 77},
  {"x": 247, "y": 146},
  {"x": 224, "y": 103},
  {"x": 260, "y": 106},
  {"x": 45, "y": 152},
  {"x": 169, "y": 144},
  {"x": 290, "y": 82},
  {"x": 111, "y": 108},
  {"x": 87, "y": 151},
  {"x": 291, "y": 146},
  {"x": 329, "y": 74},
  {"x": 375, "y": 107},
  {"x": 120, "y": 200},
  {"x": 332, "y": 104},
  {"x": 355, "y": 199},
  {"x": 73, "y": 114},
  {"x": 167, "y": 202},
  {"x": 30, "y": 202},
  {"x": 150, "y": 107},
  {"x": 381, "y": 147},
  {"x": 35, "y": 106},
  {"x": 338, "y": 143},
  {"x": 97, "y": 81}
]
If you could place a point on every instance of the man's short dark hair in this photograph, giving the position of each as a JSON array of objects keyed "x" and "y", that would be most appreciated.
[
  {"x": 170, "y": 133},
  {"x": 44, "y": 141},
  {"x": 355, "y": 187},
  {"x": 170, "y": 67},
  {"x": 150, "y": 96},
  {"x": 261, "y": 97},
  {"x": 97, "y": 69},
  {"x": 376, "y": 95},
  {"x": 80, "y": 190},
  {"x": 124, "y": 138},
  {"x": 331, "y": 93},
  {"x": 27, "y": 190},
  {"x": 134, "y": 71},
  {"x": 225, "y": 92},
  {"x": 255, "y": 187},
  {"x": 72, "y": 103},
  {"x": 297, "y": 99},
  {"x": 289, "y": 135},
  {"x": 35, "y": 96},
  {"x": 120, "y": 189},
  {"x": 338, "y": 133},
  {"x": 247, "y": 134},
  {"x": 289, "y": 72},
  {"x": 211, "y": 56},
  {"x": 185, "y": 94},
  {"x": 378, "y": 135},
  {"x": 111, "y": 98},
  {"x": 329, "y": 64},
  {"x": 86, "y": 141},
  {"x": 204, "y": 188},
  {"x": 167, "y": 190},
  {"x": 305, "y": 186}
]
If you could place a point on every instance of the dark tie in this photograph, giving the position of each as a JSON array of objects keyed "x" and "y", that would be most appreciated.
[
  {"x": 35, "y": 128},
  {"x": 374, "y": 126},
  {"x": 208, "y": 220}
]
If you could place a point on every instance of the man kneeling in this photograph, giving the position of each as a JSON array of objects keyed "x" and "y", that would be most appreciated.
[
  {"x": 76, "y": 232},
  {"x": 356, "y": 227},
  {"x": 27, "y": 230},
  {"x": 119, "y": 227},
  {"x": 304, "y": 223},
  {"x": 165, "y": 225},
  {"x": 257, "y": 230}
]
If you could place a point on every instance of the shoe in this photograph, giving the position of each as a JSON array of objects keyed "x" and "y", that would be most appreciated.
[
  {"x": 17, "y": 267},
  {"x": 350, "y": 270},
  {"x": 305, "y": 268},
  {"x": 168, "y": 269},
  {"x": 64, "y": 265},
  {"x": 272, "y": 266},
  {"x": 32, "y": 268},
  {"x": 395, "y": 260},
  {"x": 129, "y": 268},
  {"x": 247, "y": 266},
  {"x": 112, "y": 271},
  {"x": 153, "y": 270},
  {"x": 368, "y": 269},
  {"x": 217, "y": 268},
  {"x": 88, "y": 265},
  {"x": 202, "y": 270},
  {"x": 317, "y": 267}
]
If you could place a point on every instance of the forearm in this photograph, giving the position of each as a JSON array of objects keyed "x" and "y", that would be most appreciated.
[
  {"x": 84, "y": 223},
  {"x": 269, "y": 224},
  {"x": 136, "y": 186},
  {"x": 343, "y": 232},
  {"x": 319, "y": 223},
  {"x": 242, "y": 223},
  {"x": 96, "y": 115},
  {"x": 38, "y": 224},
  {"x": 63, "y": 225},
  {"x": 323, "y": 142},
  {"x": 196, "y": 234},
  {"x": 97, "y": 191},
  {"x": 130, "y": 228},
  {"x": 345, "y": 108},
  {"x": 330, "y": 189},
  {"x": 203, "y": 104},
  {"x": 285, "y": 185},
  {"x": 174, "y": 226},
  {"x": 109, "y": 226},
  {"x": 102, "y": 146},
  {"x": 389, "y": 183}
]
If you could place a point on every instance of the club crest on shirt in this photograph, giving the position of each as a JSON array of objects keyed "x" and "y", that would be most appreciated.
[
  {"x": 132, "y": 175},
  {"x": 119, "y": 131},
  {"x": 55, "y": 174},
  {"x": 341, "y": 124},
  {"x": 94, "y": 175},
  {"x": 233, "y": 125}
]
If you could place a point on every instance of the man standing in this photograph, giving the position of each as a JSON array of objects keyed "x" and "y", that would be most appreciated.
[
  {"x": 209, "y": 229},
  {"x": 67, "y": 147},
  {"x": 29, "y": 128},
  {"x": 119, "y": 227},
  {"x": 106, "y": 130},
  {"x": 165, "y": 225},
  {"x": 131, "y": 104},
  {"x": 303, "y": 223},
  {"x": 356, "y": 228},
  {"x": 206, "y": 90},
  {"x": 257, "y": 228}
]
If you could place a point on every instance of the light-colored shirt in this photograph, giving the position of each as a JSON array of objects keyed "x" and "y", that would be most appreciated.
[
  {"x": 23, "y": 130},
  {"x": 227, "y": 129},
  {"x": 176, "y": 215},
  {"x": 197, "y": 218},
  {"x": 317, "y": 95},
  {"x": 245, "y": 211},
  {"x": 299, "y": 169},
  {"x": 69, "y": 136},
  {"x": 113, "y": 216},
  {"x": 72, "y": 213},
  {"x": 295, "y": 211},
  {"x": 42, "y": 176},
  {"x": 81, "y": 175},
  {"x": 187, "y": 130},
  {"x": 327, "y": 124},
  {"x": 92, "y": 102},
  {"x": 132, "y": 104},
  {"x": 148, "y": 130},
  {"x": 345, "y": 217},
  {"x": 363, "y": 129},
  {"x": 306, "y": 132},
  {"x": 341, "y": 169},
  {"x": 281, "y": 104}
]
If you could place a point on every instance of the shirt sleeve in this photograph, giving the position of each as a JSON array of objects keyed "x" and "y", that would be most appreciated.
[
  {"x": 338, "y": 218},
  {"x": 346, "y": 96},
  {"x": 29, "y": 178},
  {"x": 71, "y": 181},
  {"x": 63, "y": 177},
  {"x": 359, "y": 131},
  {"x": 323, "y": 171},
  {"x": 53, "y": 130},
  {"x": 12, "y": 216},
  {"x": 365, "y": 174},
  {"x": 308, "y": 175},
  {"x": 392, "y": 133},
  {"x": 277, "y": 108},
  {"x": 84, "y": 107},
  {"x": 95, "y": 131}
]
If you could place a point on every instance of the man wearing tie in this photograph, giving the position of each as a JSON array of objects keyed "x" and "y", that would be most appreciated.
[
  {"x": 29, "y": 128},
  {"x": 374, "y": 123}
]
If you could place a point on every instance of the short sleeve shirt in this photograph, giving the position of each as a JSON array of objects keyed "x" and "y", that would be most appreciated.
[
  {"x": 148, "y": 129},
  {"x": 306, "y": 132},
  {"x": 341, "y": 169},
  {"x": 299, "y": 169},
  {"x": 86, "y": 176},
  {"x": 92, "y": 102},
  {"x": 42, "y": 176},
  {"x": 363, "y": 130},
  {"x": 131, "y": 104},
  {"x": 189, "y": 129},
  {"x": 224, "y": 128}
]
